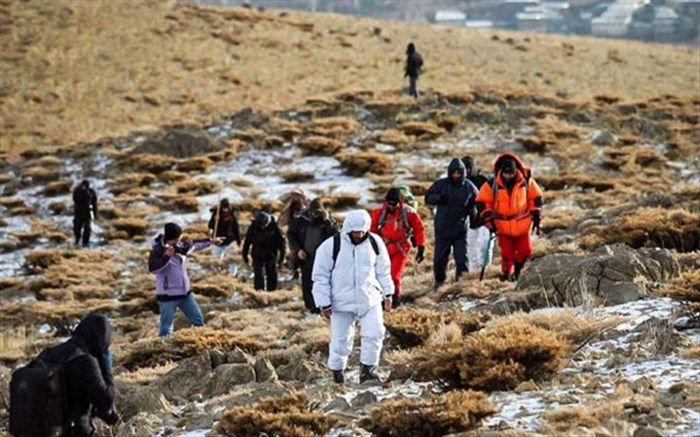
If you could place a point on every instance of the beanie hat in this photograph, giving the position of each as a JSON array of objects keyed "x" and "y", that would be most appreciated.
[
  {"x": 317, "y": 204},
  {"x": 393, "y": 195},
  {"x": 468, "y": 162},
  {"x": 508, "y": 166},
  {"x": 172, "y": 231}
]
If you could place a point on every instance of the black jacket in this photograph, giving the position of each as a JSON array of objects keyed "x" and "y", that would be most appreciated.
[
  {"x": 267, "y": 242},
  {"x": 84, "y": 199},
  {"x": 307, "y": 232},
  {"x": 89, "y": 382},
  {"x": 228, "y": 227},
  {"x": 414, "y": 64},
  {"x": 454, "y": 202}
]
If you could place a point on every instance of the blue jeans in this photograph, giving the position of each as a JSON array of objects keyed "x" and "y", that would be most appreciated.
[{"x": 167, "y": 313}]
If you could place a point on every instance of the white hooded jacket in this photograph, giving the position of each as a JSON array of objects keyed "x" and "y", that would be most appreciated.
[{"x": 360, "y": 278}]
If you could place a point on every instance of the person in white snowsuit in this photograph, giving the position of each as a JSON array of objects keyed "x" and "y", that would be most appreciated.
[
  {"x": 477, "y": 234},
  {"x": 352, "y": 281}
]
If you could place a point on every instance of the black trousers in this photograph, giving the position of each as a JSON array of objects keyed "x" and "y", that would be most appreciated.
[
  {"x": 413, "y": 86},
  {"x": 81, "y": 428},
  {"x": 82, "y": 226},
  {"x": 443, "y": 247},
  {"x": 307, "y": 285},
  {"x": 265, "y": 272}
]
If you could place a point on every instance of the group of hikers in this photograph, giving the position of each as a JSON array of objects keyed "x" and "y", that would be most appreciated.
[{"x": 350, "y": 275}]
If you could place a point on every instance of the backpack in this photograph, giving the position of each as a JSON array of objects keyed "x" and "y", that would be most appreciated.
[
  {"x": 404, "y": 220},
  {"x": 38, "y": 399},
  {"x": 336, "y": 246}
]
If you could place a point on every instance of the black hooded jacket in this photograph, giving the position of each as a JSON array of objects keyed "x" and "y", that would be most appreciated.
[
  {"x": 267, "y": 241},
  {"x": 89, "y": 382},
  {"x": 307, "y": 231},
  {"x": 227, "y": 226},
  {"x": 84, "y": 199},
  {"x": 414, "y": 62},
  {"x": 454, "y": 202}
]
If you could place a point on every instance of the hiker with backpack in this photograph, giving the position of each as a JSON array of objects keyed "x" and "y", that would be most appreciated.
[
  {"x": 264, "y": 241},
  {"x": 306, "y": 232},
  {"x": 352, "y": 282},
  {"x": 413, "y": 69},
  {"x": 84, "y": 211},
  {"x": 400, "y": 227},
  {"x": 168, "y": 261},
  {"x": 67, "y": 385},
  {"x": 478, "y": 235},
  {"x": 510, "y": 206},
  {"x": 453, "y": 197},
  {"x": 223, "y": 218}
]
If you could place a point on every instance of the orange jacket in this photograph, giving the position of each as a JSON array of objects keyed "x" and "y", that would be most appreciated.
[
  {"x": 511, "y": 208},
  {"x": 394, "y": 233}
]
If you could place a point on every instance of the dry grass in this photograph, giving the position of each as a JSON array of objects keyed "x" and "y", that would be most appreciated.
[
  {"x": 184, "y": 343},
  {"x": 196, "y": 187},
  {"x": 392, "y": 136},
  {"x": 362, "y": 163},
  {"x": 450, "y": 413},
  {"x": 413, "y": 326},
  {"x": 173, "y": 64},
  {"x": 287, "y": 415},
  {"x": 649, "y": 227},
  {"x": 56, "y": 188},
  {"x": 297, "y": 176},
  {"x": 318, "y": 145},
  {"x": 497, "y": 358},
  {"x": 685, "y": 288},
  {"x": 131, "y": 226},
  {"x": 332, "y": 126},
  {"x": 422, "y": 129}
]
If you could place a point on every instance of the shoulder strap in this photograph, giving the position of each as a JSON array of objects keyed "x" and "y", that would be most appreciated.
[
  {"x": 336, "y": 247},
  {"x": 382, "y": 219},
  {"x": 404, "y": 220},
  {"x": 374, "y": 244}
]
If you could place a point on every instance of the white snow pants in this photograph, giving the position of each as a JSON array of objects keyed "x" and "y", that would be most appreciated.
[
  {"x": 343, "y": 337},
  {"x": 477, "y": 240}
]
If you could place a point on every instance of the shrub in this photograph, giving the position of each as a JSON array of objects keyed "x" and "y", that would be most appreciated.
[
  {"x": 58, "y": 208},
  {"x": 450, "y": 413},
  {"x": 424, "y": 129},
  {"x": 196, "y": 164},
  {"x": 186, "y": 204},
  {"x": 317, "y": 145},
  {"x": 149, "y": 162},
  {"x": 297, "y": 176},
  {"x": 196, "y": 187},
  {"x": 332, "y": 126},
  {"x": 413, "y": 326},
  {"x": 685, "y": 288},
  {"x": 650, "y": 227},
  {"x": 56, "y": 188},
  {"x": 361, "y": 163},
  {"x": 393, "y": 137},
  {"x": 287, "y": 415},
  {"x": 132, "y": 226},
  {"x": 494, "y": 359}
]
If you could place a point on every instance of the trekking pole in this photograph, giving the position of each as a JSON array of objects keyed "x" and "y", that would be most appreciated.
[{"x": 487, "y": 251}]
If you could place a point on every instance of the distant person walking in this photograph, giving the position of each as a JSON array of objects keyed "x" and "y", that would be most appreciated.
[
  {"x": 414, "y": 65},
  {"x": 265, "y": 242},
  {"x": 224, "y": 219},
  {"x": 84, "y": 210}
]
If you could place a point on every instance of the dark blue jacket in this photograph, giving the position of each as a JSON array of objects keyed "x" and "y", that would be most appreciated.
[{"x": 454, "y": 202}]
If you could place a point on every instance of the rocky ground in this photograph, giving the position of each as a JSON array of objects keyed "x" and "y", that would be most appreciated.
[{"x": 598, "y": 337}]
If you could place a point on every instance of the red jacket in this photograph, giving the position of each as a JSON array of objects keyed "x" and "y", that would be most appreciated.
[{"x": 394, "y": 233}]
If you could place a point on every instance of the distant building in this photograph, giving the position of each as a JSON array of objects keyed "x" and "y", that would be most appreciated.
[
  {"x": 546, "y": 17},
  {"x": 479, "y": 24},
  {"x": 450, "y": 18},
  {"x": 616, "y": 20},
  {"x": 665, "y": 23}
]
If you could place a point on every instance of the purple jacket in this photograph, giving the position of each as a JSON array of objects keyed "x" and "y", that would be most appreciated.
[{"x": 171, "y": 273}]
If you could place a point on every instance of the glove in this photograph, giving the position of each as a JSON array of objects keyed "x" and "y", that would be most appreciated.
[
  {"x": 444, "y": 198},
  {"x": 112, "y": 417},
  {"x": 489, "y": 221},
  {"x": 420, "y": 256},
  {"x": 536, "y": 221}
]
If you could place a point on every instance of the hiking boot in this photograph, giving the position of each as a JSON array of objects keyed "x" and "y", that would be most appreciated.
[
  {"x": 367, "y": 373},
  {"x": 517, "y": 269},
  {"x": 338, "y": 377},
  {"x": 503, "y": 277}
]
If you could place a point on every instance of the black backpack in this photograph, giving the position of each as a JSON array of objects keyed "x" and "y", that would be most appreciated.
[
  {"x": 38, "y": 399},
  {"x": 336, "y": 246}
]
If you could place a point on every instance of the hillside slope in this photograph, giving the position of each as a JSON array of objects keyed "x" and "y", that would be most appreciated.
[{"x": 78, "y": 71}]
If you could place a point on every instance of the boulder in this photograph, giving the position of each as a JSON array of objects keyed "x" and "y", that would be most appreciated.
[
  {"x": 264, "y": 370},
  {"x": 237, "y": 356},
  {"x": 132, "y": 399},
  {"x": 141, "y": 425},
  {"x": 187, "y": 379},
  {"x": 364, "y": 399},
  {"x": 612, "y": 274},
  {"x": 604, "y": 138},
  {"x": 299, "y": 371},
  {"x": 226, "y": 377},
  {"x": 179, "y": 144}
]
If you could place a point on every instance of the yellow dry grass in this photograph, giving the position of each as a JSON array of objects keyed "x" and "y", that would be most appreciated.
[{"x": 178, "y": 64}]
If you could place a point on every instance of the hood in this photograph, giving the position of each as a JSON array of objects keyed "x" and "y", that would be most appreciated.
[
  {"x": 158, "y": 241},
  {"x": 518, "y": 163},
  {"x": 456, "y": 164},
  {"x": 357, "y": 220},
  {"x": 262, "y": 219},
  {"x": 94, "y": 331}
]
